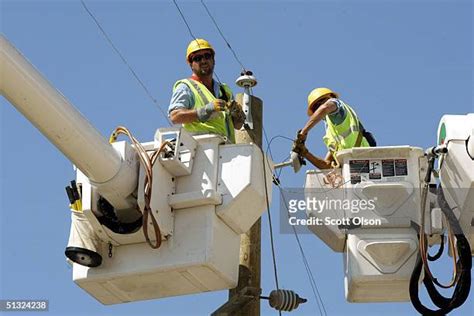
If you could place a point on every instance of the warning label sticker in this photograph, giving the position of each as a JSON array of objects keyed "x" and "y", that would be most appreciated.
[
  {"x": 384, "y": 169},
  {"x": 359, "y": 166},
  {"x": 375, "y": 170},
  {"x": 388, "y": 168},
  {"x": 401, "y": 168},
  {"x": 355, "y": 178}
]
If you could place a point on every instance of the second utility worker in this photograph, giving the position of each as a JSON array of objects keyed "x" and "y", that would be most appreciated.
[
  {"x": 343, "y": 127},
  {"x": 200, "y": 103}
]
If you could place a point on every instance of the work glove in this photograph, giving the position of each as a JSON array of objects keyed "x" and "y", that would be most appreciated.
[
  {"x": 299, "y": 148},
  {"x": 300, "y": 138},
  {"x": 235, "y": 110},
  {"x": 298, "y": 144},
  {"x": 219, "y": 105},
  {"x": 204, "y": 113}
]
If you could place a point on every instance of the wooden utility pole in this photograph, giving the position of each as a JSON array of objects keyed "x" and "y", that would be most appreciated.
[
  {"x": 250, "y": 242},
  {"x": 244, "y": 299}
]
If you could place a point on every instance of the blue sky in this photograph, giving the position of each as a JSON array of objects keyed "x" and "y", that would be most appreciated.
[{"x": 400, "y": 64}]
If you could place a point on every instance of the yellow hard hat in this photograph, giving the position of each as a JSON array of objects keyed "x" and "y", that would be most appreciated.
[
  {"x": 317, "y": 94},
  {"x": 196, "y": 45}
]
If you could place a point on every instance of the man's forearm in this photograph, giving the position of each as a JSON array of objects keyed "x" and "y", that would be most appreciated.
[
  {"x": 182, "y": 116},
  {"x": 317, "y": 162},
  {"x": 318, "y": 115}
]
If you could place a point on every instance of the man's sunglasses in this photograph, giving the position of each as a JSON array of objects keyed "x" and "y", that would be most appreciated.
[{"x": 198, "y": 58}]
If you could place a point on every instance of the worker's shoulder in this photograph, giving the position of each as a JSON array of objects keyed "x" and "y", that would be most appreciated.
[
  {"x": 182, "y": 85},
  {"x": 182, "y": 81}
]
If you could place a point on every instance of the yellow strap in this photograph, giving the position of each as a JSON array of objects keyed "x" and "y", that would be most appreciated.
[{"x": 76, "y": 206}]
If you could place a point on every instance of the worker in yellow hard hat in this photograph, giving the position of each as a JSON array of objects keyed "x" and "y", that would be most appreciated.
[
  {"x": 343, "y": 128},
  {"x": 200, "y": 103}
]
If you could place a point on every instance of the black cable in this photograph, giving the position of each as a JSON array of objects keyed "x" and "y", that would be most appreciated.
[
  {"x": 463, "y": 266},
  {"x": 281, "y": 169},
  {"x": 184, "y": 20},
  {"x": 268, "y": 144},
  {"x": 268, "y": 150},
  {"x": 440, "y": 250},
  {"x": 268, "y": 209},
  {"x": 313, "y": 283},
  {"x": 223, "y": 37},
  {"x": 414, "y": 293},
  {"x": 464, "y": 252},
  {"x": 109, "y": 40},
  {"x": 272, "y": 244},
  {"x": 191, "y": 33}
]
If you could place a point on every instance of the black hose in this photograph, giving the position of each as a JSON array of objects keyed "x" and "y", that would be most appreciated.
[
  {"x": 440, "y": 251},
  {"x": 463, "y": 265},
  {"x": 414, "y": 292},
  {"x": 464, "y": 251}
]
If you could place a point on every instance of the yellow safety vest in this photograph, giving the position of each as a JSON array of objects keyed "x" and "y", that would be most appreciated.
[
  {"x": 221, "y": 123},
  {"x": 343, "y": 135}
]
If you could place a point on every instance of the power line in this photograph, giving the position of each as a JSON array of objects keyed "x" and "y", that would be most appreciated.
[
  {"x": 272, "y": 244},
  {"x": 109, "y": 40},
  {"x": 269, "y": 149},
  {"x": 268, "y": 210},
  {"x": 184, "y": 19},
  {"x": 263, "y": 155},
  {"x": 222, "y": 35},
  {"x": 191, "y": 33},
  {"x": 313, "y": 284}
]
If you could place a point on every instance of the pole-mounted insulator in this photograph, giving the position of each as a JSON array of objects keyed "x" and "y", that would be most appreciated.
[
  {"x": 284, "y": 300},
  {"x": 247, "y": 81}
]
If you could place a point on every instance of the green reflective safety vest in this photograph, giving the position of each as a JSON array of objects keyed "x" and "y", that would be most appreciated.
[
  {"x": 343, "y": 135},
  {"x": 221, "y": 123}
]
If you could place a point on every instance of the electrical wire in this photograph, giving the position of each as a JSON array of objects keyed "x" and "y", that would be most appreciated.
[
  {"x": 191, "y": 33},
  {"x": 280, "y": 171},
  {"x": 223, "y": 37},
  {"x": 184, "y": 20},
  {"x": 275, "y": 271},
  {"x": 269, "y": 150},
  {"x": 147, "y": 162},
  {"x": 423, "y": 240},
  {"x": 268, "y": 207},
  {"x": 308, "y": 269},
  {"x": 313, "y": 284},
  {"x": 109, "y": 40},
  {"x": 263, "y": 155}
]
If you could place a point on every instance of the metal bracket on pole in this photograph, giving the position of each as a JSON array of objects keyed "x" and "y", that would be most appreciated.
[
  {"x": 247, "y": 81},
  {"x": 236, "y": 303}
]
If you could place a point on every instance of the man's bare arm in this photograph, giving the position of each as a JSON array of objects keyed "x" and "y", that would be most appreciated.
[
  {"x": 319, "y": 162},
  {"x": 181, "y": 116},
  {"x": 325, "y": 109}
]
